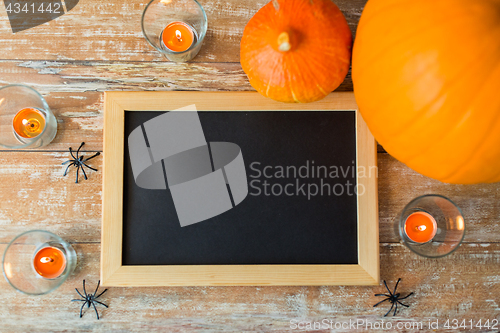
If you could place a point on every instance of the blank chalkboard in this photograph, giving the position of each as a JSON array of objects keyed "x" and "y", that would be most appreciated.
[
  {"x": 302, "y": 208},
  {"x": 269, "y": 226}
]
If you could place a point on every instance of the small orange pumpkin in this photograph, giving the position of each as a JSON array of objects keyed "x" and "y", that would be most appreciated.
[
  {"x": 296, "y": 50},
  {"x": 426, "y": 78}
]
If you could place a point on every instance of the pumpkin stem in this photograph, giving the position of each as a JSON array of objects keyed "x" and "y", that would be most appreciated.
[{"x": 284, "y": 42}]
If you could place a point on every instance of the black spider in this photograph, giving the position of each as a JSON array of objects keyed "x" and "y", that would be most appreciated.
[
  {"x": 79, "y": 162},
  {"x": 89, "y": 299},
  {"x": 393, "y": 298}
]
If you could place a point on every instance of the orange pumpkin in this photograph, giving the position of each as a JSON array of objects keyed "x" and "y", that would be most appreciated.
[
  {"x": 426, "y": 78},
  {"x": 296, "y": 50}
]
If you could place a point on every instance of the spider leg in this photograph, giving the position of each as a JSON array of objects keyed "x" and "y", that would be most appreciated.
[
  {"x": 98, "y": 283},
  {"x": 389, "y": 310},
  {"x": 97, "y": 313},
  {"x": 84, "y": 290},
  {"x": 385, "y": 283},
  {"x": 79, "y": 300},
  {"x": 88, "y": 166},
  {"x": 81, "y": 309},
  {"x": 91, "y": 157},
  {"x": 77, "y": 169},
  {"x": 396, "y": 287},
  {"x": 383, "y": 295},
  {"x": 79, "y": 292},
  {"x": 66, "y": 171},
  {"x": 381, "y": 302},
  {"x": 78, "y": 151},
  {"x": 71, "y": 152},
  {"x": 403, "y": 304},
  {"x": 67, "y": 162},
  {"x": 395, "y": 309},
  {"x": 100, "y": 303},
  {"x": 406, "y": 296},
  {"x": 101, "y": 294},
  {"x": 84, "y": 174}
]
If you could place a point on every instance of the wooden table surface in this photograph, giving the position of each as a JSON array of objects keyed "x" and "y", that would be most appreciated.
[{"x": 99, "y": 46}]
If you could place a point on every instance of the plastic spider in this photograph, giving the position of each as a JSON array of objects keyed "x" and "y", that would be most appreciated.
[
  {"x": 393, "y": 298},
  {"x": 89, "y": 299},
  {"x": 79, "y": 162}
]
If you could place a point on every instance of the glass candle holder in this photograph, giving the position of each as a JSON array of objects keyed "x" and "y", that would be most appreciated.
[
  {"x": 432, "y": 226},
  {"x": 37, "y": 262},
  {"x": 176, "y": 28},
  {"x": 25, "y": 118}
]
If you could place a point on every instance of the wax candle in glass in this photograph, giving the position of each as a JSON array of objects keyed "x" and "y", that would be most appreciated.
[
  {"x": 420, "y": 227},
  {"x": 176, "y": 28},
  {"x": 25, "y": 118},
  {"x": 431, "y": 226},
  {"x": 37, "y": 262},
  {"x": 49, "y": 262},
  {"x": 177, "y": 37}
]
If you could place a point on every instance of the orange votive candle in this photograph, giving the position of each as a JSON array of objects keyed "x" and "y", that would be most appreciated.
[
  {"x": 29, "y": 123},
  {"x": 178, "y": 36},
  {"x": 420, "y": 227},
  {"x": 49, "y": 262}
]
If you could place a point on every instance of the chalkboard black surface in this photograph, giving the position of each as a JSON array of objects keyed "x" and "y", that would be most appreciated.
[{"x": 301, "y": 206}]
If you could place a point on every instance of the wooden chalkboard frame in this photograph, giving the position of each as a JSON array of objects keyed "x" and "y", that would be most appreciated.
[{"x": 113, "y": 273}]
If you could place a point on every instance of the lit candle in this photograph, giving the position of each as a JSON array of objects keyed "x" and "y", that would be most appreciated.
[
  {"x": 29, "y": 123},
  {"x": 420, "y": 227},
  {"x": 177, "y": 36},
  {"x": 49, "y": 262}
]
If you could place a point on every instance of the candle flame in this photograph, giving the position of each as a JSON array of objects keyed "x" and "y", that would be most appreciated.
[
  {"x": 45, "y": 260},
  {"x": 25, "y": 121},
  {"x": 421, "y": 227},
  {"x": 178, "y": 35}
]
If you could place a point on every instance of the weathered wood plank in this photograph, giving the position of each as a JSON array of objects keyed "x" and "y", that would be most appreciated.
[
  {"x": 464, "y": 285},
  {"x": 79, "y": 119},
  {"x": 398, "y": 184},
  {"x": 64, "y": 76},
  {"x": 74, "y": 90},
  {"x": 96, "y": 30},
  {"x": 34, "y": 194}
]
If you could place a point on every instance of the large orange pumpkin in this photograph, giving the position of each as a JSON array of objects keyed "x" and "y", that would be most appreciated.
[
  {"x": 296, "y": 50},
  {"x": 426, "y": 77}
]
